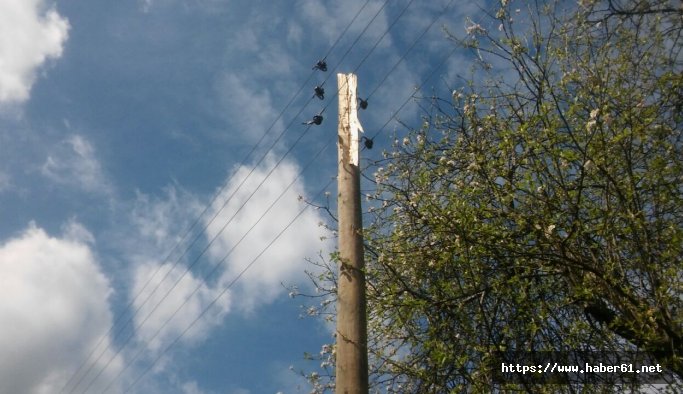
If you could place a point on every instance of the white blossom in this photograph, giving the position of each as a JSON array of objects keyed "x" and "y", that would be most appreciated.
[
  {"x": 475, "y": 29},
  {"x": 549, "y": 230},
  {"x": 590, "y": 125},
  {"x": 326, "y": 349}
]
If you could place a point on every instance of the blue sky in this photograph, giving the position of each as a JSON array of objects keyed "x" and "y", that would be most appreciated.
[{"x": 119, "y": 123}]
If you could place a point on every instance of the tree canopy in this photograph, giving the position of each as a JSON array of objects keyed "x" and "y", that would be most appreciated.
[{"x": 539, "y": 208}]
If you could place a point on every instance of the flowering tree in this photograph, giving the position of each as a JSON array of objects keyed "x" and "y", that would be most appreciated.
[{"x": 541, "y": 209}]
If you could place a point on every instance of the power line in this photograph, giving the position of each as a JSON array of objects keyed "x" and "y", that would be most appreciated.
[
  {"x": 224, "y": 227},
  {"x": 243, "y": 271},
  {"x": 379, "y": 40},
  {"x": 203, "y": 212},
  {"x": 304, "y": 107},
  {"x": 250, "y": 264},
  {"x": 196, "y": 221}
]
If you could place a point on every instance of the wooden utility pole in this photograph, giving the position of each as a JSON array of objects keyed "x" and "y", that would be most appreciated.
[{"x": 352, "y": 347}]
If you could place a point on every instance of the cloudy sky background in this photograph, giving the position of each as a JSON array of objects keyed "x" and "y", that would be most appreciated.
[{"x": 124, "y": 124}]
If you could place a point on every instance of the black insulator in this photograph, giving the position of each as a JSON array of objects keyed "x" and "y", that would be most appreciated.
[
  {"x": 319, "y": 92},
  {"x": 317, "y": 120},
  {"x": 363, "y": 103},
  {"x": 321, "y": 65},
  {"x": 368, "y": 142}
]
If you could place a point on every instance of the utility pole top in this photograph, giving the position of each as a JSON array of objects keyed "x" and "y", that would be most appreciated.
[{"x": 355, "y": 128}]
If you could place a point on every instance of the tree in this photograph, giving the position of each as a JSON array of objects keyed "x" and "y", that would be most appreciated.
[{"x": 540, "y": 209}]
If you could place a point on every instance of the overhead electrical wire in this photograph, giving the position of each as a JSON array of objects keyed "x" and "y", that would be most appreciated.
[
  {"x": 208, "y": 307},
  {"x": 247, "y": 200},
  {"x": 255, "y": 259},
  {"x": 208, "y": 206},
  {"x": 198, "y": 219},
  {"x": 299, "y": 175},
  {"x": 215, "y": 237},
  {"x": 328, "y": 183}
]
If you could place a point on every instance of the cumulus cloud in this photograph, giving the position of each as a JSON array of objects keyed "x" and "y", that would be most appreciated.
[
  {"x": 73, "y": 163},
  {"x": 285, "y": 260},
  {"x": 166, "y": 297},
  {"x": 31, "y": 32},
  {"x": 169, "y": 301},
  {"x": 53, "y": 311}
]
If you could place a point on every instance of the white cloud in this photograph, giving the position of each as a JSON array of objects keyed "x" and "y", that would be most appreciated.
[
  {"x": 74, "y": 163},
  {"x": 30, "y": 33},
  {"x": 284, "y": 261},
  {"x": 53, "y": 311},
  {"x": 157, "y": 231},
  {"x": 251, "y": 109},
  {"x": 169, "y": 301},
  {"x": 158, "y": 224}
]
